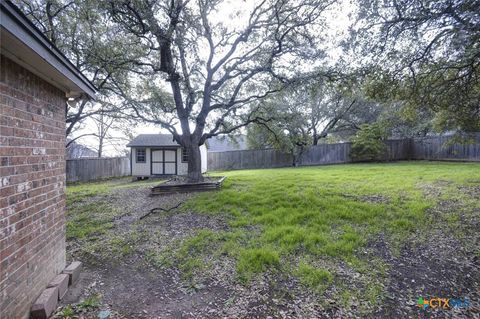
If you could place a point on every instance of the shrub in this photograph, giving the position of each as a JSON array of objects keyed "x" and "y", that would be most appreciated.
[{"x": 369, "y": 143}]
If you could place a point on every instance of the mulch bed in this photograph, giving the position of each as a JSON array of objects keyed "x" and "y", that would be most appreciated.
[{"x": 181, "y": 185}]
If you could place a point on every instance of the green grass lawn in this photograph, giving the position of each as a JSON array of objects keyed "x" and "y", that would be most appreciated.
[
  {"x": 311, "y": 223},
  {"x": 304, "y": 221}
]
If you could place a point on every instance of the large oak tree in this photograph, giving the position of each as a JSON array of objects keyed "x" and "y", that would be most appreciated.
[{"x": 206, "y": 63}]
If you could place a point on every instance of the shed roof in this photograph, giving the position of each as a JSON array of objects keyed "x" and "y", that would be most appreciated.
[
  {"x": 153, "y": 140},
  {"x": 22, "y": 42}
]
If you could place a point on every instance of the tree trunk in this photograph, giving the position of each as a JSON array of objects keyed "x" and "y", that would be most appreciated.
[
  {"x": 315, "y": 136},
  {"x": 100, "y": 147},
  {"x": 294, "y": 157},
  {"x": 194, "y": 164},
  {"x": 297, "y": 155}
]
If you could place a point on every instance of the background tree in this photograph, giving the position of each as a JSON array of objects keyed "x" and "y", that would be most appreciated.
[
  {"x": 426, "y": 55},
  {"x": 287, "y": 128},
  {"x": 80, "y": 29},
  {"x": 106, "y": 126},
  {"x": 302, "y": 115},
  {"x": 215, "y": 71}
]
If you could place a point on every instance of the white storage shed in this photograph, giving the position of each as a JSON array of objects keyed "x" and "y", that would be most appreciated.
[{"x": 159, "y": 154}]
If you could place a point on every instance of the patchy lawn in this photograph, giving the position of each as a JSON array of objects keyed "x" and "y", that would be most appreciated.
[{"x": 363, "y": 240}]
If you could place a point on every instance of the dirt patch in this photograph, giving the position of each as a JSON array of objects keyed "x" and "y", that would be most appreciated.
[
  {"x": 378, "y": 199},
  {"x": 181, "y": 223},
  {"x": 441, "y": 261},
  {"x": 437, "y": 268},
  {"x": 136, "y": 202},
  {"x": 133, "y": 291},
  {"x": 434, "y": 190},
  {"x": 473, "y": 191},
  {"x": 375, "y": 199}
]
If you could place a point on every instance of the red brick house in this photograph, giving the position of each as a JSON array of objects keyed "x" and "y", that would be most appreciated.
[{"x": 36, "y": 80}]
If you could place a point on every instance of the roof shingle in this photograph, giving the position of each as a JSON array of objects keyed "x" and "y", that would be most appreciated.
[{"x": 148, "y": 140}]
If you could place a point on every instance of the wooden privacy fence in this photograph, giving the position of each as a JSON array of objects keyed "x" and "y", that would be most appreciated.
[
  {"x": 431, "y": 148},
  {"x": 88, "y": 169},
  {"x": 438, "y": 148},
  {"x": 248, "y": 159}
]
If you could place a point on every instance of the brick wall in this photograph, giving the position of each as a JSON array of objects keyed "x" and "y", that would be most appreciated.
[{"x": 32, "y": 183}]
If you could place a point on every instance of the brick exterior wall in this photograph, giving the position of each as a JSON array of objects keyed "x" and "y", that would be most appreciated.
[{"x": 32, "y": 187}]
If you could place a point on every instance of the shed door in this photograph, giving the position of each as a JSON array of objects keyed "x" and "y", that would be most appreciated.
[
  {"x": 164, "y": 162},
  {"x": 170, "y": 157}
]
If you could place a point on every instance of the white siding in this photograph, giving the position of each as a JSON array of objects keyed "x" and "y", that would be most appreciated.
[
  {"x": 182, "y": 166},
  {"x": 203, "y": 155},
  {"x": 140, "y": 169}
]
